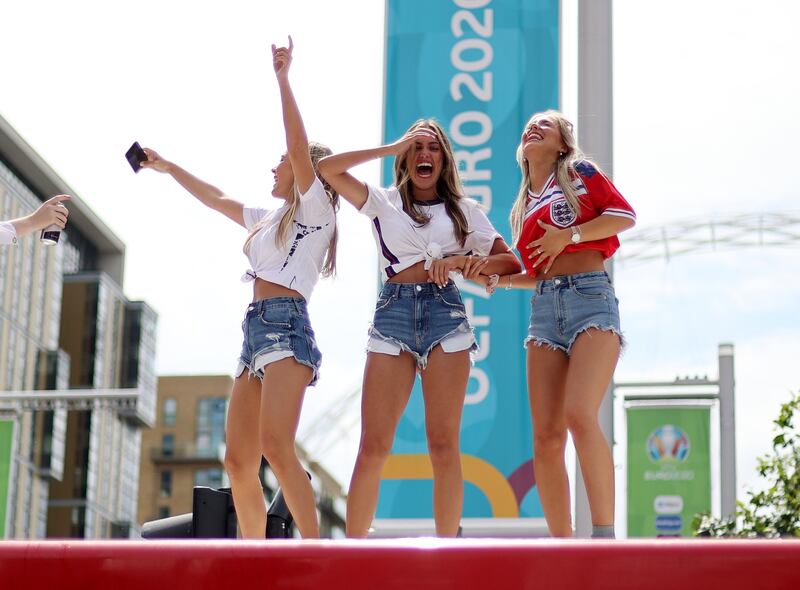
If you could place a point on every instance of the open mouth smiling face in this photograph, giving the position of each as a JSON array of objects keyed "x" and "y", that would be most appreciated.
[
  {"x": 426, "y": 157},
  {"x": 533, "y": 135},
  {"x": 425, "y": 169},
  {"x": 541, "y": 133},
  {"x": 283, "y": 177}
]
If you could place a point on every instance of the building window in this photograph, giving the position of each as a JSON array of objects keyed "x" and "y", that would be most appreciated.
[
  {"x": 210, "y": 426},
  {"x": 211, "y": 478},
  {"x": 170, "y": 411},
  {"x": 168, "y": 445},
  {"x": 163, "y": 511},
  {"x": 166, "y": 484}
]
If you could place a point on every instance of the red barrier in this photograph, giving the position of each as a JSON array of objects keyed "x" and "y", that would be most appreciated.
[{"x": 401, "y": 563}]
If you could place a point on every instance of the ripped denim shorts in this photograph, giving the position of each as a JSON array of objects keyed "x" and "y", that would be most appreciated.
[
  {"x": 415, "y": 317},
  {"x": 564, "y": 307},
  {"x": 275, "y": 329}
]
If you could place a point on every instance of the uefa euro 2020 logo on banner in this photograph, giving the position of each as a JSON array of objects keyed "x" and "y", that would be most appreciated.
[{"x": 668, "y": 444}]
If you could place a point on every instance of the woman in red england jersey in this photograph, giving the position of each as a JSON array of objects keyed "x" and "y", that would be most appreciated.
[{"x": 565, "y": 223}]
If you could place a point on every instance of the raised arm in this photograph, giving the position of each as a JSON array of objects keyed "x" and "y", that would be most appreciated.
[
  {"x": 296, "y": 139},
  {"x": 51, "y": 212},
  {"x": 207, "y": 194},
  {"x": 335, "y": 168}
]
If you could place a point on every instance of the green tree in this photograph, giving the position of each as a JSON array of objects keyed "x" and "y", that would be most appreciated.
[{"x": 775, "y": 511}]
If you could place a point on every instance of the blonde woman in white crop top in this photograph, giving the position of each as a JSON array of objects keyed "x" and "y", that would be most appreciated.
[
  {"x": 424, "y": 229},
  {"x": 288, "y": 249}
]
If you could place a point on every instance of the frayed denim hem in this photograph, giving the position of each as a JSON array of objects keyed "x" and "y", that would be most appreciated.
[
  {"x": 422, "y": 360},
  {"x": 602, "y": 328},
  {"x": 545, "y": 343},
  {"x": 240, "y": 368},
  {"x": 260, "y": 376}
]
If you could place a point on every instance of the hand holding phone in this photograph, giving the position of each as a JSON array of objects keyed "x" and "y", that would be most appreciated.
[{"x": 135, "y": 156}]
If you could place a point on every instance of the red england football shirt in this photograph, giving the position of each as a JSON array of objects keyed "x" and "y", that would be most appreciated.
[{"x": 597, "y": 196}]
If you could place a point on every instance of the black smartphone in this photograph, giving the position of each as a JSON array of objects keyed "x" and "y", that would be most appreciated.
[{"x": 135, "y": 156}]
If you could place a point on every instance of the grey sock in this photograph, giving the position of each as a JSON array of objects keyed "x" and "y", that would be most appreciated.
[{"x": 603, "y": 531}]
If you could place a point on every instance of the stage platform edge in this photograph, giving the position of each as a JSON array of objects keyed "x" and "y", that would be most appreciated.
[{"x": 401, "y": 563}]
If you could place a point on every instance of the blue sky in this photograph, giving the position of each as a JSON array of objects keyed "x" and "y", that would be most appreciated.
[{"x": 705, "y": 118}]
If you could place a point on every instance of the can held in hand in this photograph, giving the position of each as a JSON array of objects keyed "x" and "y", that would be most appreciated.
[{"x": 51, "y": 234}]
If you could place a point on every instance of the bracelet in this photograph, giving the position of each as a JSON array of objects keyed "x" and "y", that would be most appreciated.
[
  {"x": 509, "y": 283},
  {"x": 493, "y": 280}
]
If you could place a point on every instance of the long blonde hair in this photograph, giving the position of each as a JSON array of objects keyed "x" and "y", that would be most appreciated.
[
  {"x": 565, "y": 171},
  {"x": 317, "y": 151},
  {"x": 448, "y": 185}
]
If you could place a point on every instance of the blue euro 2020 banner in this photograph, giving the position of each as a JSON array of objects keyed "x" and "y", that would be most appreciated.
[{"x": 481, "y": 68}]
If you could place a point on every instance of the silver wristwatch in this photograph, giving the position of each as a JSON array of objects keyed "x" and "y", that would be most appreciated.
[{"x": 576, "y": 234}]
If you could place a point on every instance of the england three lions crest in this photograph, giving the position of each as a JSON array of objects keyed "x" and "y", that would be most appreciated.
[{"x": 561, "y": 214}]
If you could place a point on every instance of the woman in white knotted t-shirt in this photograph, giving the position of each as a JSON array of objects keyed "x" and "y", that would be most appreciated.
[
  {"x": 424, "y": 229},
  {"x": 288, "y": 249}
]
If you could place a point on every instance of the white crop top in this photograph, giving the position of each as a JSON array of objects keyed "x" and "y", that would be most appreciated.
[
  {"x": 402, "y": 242},
  {"x": 297, "y": 264}
]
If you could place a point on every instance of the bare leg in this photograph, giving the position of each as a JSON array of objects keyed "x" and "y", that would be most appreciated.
[
  {"x": 243, "y": 456},
  {"x": 547, "y": 371},
  {"x": 444, "y": 385},
  {"x": 591, "y": 366},
  {"x": 282, "y": 394},
  {"x": 387, "y": 386}
]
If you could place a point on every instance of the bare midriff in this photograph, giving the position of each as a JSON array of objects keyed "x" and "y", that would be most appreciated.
[
  {"x": 264, "y": 290},
  {"x": 570, "y": 263},
  {"x": 413, "y": 274}
]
